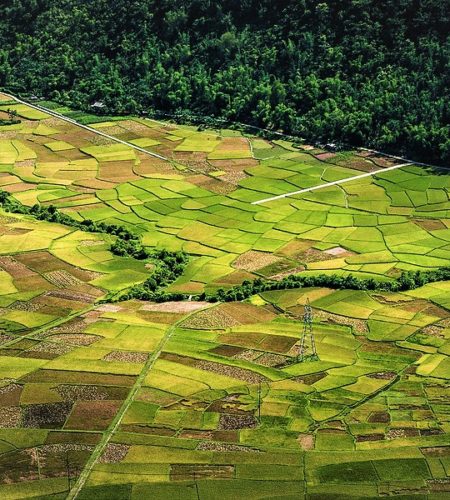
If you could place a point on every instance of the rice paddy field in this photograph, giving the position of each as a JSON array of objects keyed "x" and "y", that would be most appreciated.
[{"x": 134, "y": 399}]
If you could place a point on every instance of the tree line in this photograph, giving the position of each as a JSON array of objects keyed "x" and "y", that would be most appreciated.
[{"x": 362, "y": 72}]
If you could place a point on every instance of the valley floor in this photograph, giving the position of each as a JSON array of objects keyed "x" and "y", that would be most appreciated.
[{"x": 190, "y": 399}]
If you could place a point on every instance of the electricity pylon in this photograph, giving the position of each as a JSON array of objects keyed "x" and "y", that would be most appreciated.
[{"x": 307, "y": 345}]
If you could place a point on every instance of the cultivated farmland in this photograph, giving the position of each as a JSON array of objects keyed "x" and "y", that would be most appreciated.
[{"x": 197, "y": 399}]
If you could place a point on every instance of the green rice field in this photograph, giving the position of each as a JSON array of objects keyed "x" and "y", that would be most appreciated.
[{"x": 199, "y": 400}]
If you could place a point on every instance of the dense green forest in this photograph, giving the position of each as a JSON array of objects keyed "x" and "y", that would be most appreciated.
[{"x": 373, "y": 72}]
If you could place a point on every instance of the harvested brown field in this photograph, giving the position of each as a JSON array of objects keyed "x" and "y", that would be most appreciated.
[
  {"x": 233, "y": 177},
  {"x": 231, "y": 371},
  {"x": 76, "y": 296},
  {"x": 359, "y": 325},
  {"x": 74, "y": 377},
  {"x": 92, "y": 415},
  {"x": 114, "y": 453},
  {"x": 430, "y": 224},
  {"x": 225, "y": 447},
  {"x": 234, "y": 278},
  {"x": 47, "y": 416},
  {"x": 269, "y": 359},
  {"x": 325, "y": 156},
  {"x": 237, "y": 422},
  {"x": 10, "y": 417},
  {"x": 250, "y": 339},
  {"x": 47, "y": 350},
  {"x": 127, "y": 356},
  {"x": 247, "y": 355},
  {"x": 212, "y": 318},
  {"x": 74, "y": 339},
  {"x": 228, "y": 351},
  {"x": 62, "y": 437},
  {"x": 42, "y": 261},
  {"x": 10, "y": 394},
  {"x": 14, "y": 267},
  {"x": 291, "y": 270},
  {"x": 254, "y": 260},
  {"x": 277, "y": 343},
  {"x": 245, "y": 313},
  {"x": 176, "y": 307},
  {"x": 81, "y": 392}
]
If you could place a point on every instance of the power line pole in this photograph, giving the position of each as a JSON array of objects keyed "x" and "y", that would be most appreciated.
[{"x": 308, "y": 350}]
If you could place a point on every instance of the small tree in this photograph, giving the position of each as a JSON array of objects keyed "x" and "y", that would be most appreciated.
[{"x": 12, "y": 114}]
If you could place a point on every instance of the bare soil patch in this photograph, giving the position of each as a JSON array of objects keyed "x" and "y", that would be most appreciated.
[
  {"x": 249, "y": 340},
  {"x": 381, "y": 417},
  {"x": 277, "y": 343},
  {"x": 306, "y": 441}
]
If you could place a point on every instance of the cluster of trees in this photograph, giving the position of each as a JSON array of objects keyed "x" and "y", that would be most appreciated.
[
  {"x": 408, "y": 280},
  {"x": 371, "y": 72},
  {"x": 168, "y": 267}
]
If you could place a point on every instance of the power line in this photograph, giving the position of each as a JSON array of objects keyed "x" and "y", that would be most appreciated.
[{"x": 308, "y": 350}]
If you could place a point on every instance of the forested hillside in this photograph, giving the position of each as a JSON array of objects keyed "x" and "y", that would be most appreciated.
[{"x": 372, "y": 72}]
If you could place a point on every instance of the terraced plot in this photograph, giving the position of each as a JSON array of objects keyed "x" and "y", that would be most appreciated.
[{"x": 192, "y": 399}]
